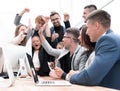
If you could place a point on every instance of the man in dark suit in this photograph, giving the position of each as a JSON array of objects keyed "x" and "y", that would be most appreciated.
[{"x": 105, "y": 69}]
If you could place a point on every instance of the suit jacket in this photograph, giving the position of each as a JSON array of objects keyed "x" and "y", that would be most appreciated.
[
  {"x": 76, "y": 63},
  {"x": 105, "y": 69}
]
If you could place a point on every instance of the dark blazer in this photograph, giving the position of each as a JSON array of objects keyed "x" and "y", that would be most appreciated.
[
  {"x": 44, "y": 57},
  {"x": 105, "y": 69}
]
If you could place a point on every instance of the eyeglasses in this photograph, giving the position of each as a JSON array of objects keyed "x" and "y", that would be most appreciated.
[
  {"x": 66, "y": 37},
  {"x": 54, "y": 19},
  {"x": 69, "y": 37}
]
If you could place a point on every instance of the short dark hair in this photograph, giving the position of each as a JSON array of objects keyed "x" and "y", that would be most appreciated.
[
  {"x": 74, "y": 32},
  {"x": 91, "y": 7},
  {"x": 54, "y": 13},
  {"x": 101, "y": 17}
]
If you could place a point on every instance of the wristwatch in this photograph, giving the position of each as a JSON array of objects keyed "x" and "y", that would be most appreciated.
[{"x": 67, "y": 77}]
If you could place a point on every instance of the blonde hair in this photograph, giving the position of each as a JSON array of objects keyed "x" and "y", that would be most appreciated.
[{"x": 40, "y": 19}]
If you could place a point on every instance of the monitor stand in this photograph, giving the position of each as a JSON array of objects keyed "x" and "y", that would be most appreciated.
[{"x": 11, "y": 79}]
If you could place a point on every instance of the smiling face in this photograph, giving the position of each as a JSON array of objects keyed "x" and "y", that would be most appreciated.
[
  {"x": 36, "y": 44},
  {"x": 39, "y": 21},
  {"x": 55, "y": 19},
  {"x": 93, "y": 30},
  {"x": 85, "y": 13}
]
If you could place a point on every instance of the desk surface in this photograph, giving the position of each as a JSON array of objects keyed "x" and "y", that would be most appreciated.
[{"x": 24, "y": 84}]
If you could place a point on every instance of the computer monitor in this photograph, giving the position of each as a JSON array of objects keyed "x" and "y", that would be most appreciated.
[
  {"x": 4, "y": 60},
  {"x": 14, "y": 53},
  {"x": 1, "y": 59},
  {"x": 9, "y": 56}
]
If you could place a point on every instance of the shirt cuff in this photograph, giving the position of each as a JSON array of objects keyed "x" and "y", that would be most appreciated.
[{"x": 63, "y": 76}]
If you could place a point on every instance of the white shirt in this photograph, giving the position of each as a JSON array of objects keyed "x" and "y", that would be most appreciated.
[{"x": 36, "y": 61}]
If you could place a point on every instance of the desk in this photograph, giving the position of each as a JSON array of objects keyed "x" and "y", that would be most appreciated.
[{"x": 24, "y": 84}]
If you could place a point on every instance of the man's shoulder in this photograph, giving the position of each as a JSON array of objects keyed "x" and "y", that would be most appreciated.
[{"x": 111, "y": 38}]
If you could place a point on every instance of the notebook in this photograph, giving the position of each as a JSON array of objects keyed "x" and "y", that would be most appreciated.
[{"x": 42, "y": 82}]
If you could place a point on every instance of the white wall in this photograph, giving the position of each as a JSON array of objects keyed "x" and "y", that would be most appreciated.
[{"x": 44, "y": 7}]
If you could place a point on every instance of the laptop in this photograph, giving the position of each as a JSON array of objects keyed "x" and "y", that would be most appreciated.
[{"x": 42, "y": 82}]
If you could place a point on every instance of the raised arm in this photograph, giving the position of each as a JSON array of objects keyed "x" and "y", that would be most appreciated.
[
  {"x": 21, "y": 34},
  {"x": 45, "y": 44},
  {"x": 66, "y": 20},
  {"x": 19, "y": 16},
  {"x": 47, "y": 29}
]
